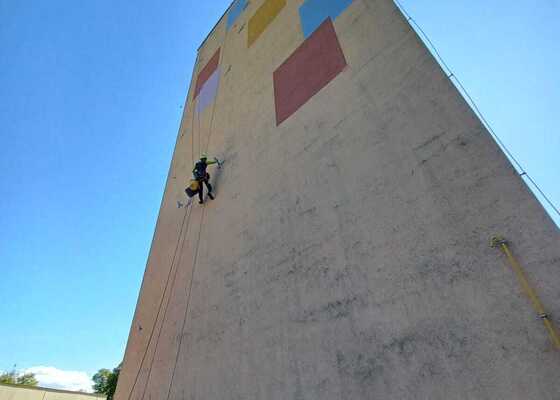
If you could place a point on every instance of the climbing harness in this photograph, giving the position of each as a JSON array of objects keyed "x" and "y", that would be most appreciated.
[{"x": 502, "y": 244}]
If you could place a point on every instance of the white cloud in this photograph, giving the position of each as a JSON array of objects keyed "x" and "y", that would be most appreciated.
[{"x": 55, "y": 378}]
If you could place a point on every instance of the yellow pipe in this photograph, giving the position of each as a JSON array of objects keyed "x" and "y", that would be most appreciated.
[{"x": 499, "y": 242}]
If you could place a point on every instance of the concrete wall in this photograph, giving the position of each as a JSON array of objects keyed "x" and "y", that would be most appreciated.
[
  {"x": 12, "y": 392},
  {"x": 347, "y": 253}
]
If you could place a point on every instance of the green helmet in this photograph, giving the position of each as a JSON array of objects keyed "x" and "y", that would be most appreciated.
[{"x": 203, "y": 156}]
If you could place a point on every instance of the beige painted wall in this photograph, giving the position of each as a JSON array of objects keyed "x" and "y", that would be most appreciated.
[
  {"x": 346, "y": 255},
  {"x": 10, "y": 392}
]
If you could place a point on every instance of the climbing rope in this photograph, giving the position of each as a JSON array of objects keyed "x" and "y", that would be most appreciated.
[
  {"x": 160, "y": 306},
  {"x": 167, "y": 304},
  {"x": 193, "y": 136},
  {"x": 186, "y": 218},
  {"x": 500, "y": 243},
  {"x": 451, "y": 75},
  {"x": 199, "y": 141},
  {"x": 186, "y": 314},
  {"x": 185, "y": 221},
  {"x": 185, "y": 317},
  {"x": 210, "y": 128}
]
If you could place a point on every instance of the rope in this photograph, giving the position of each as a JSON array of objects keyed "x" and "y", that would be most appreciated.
[
  {"x": 185, "y": 318},
  {"x": 451, "y": 75},
  {"x": 192, "y": 138},
  {"x": 210, "y": 130},
  {"x": 175, "y": 273},
  {"x": 498, "y": 242},
  {"x": 187, "y": 307},
  {"x": 185, "y": 218},
  {"x": 159, "y": 307},
  {"x": 199, "y": 129},
  {"x": 167, "y": 305}
]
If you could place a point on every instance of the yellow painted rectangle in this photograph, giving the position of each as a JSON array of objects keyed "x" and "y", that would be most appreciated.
[{"x": 263, "y": 17}]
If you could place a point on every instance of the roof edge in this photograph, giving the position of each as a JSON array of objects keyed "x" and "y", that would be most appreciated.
[
  {"x": 215, "y": 25},
  {"x": 44, "y": 389}
]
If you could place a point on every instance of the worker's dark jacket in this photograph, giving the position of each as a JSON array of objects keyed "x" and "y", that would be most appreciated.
[{"x": 199, "y": 171}]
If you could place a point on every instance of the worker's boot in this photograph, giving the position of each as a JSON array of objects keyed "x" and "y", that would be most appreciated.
[{"x": 211, "y": 195}]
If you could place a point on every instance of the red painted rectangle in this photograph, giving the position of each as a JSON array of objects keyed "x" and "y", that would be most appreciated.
[
  {"x": 207, "y": 72},
  {"x": 310, "y": 68}
]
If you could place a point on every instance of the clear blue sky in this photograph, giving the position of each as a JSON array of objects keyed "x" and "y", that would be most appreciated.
[{"x": 91, "y": 95}]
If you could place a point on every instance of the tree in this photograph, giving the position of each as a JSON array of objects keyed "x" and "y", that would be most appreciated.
[
  {"x": 100, "y": 380},
  {"x": 15, "y": 378},
  {"x": 27, "y": 379},
  {"x": 8, "y": 377},
  {"x": 105, "y": 381}
]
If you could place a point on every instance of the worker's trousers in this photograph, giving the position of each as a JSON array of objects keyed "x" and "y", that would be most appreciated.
[{"x": 201, "y": 188}]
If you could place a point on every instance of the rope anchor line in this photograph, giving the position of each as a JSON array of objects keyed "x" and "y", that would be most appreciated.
[
  {"x": 416, "y": 27},
  {"x": 171, "y": 275},
  {"x": 500, "y": 243}
]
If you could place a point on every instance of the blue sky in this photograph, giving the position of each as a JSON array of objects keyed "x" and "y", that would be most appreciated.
[{"x": 90, "y": 102}]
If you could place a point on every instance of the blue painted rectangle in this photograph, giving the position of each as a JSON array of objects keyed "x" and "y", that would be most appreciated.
[
  {"x": 235, "y": 11},
  {"x": 314, "y": 12}
]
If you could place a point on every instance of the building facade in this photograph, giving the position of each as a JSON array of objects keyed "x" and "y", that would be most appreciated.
[{"x": 347, "y": 254}]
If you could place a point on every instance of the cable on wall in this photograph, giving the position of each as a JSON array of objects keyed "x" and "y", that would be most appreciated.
[{"x": 451, "y": 75}]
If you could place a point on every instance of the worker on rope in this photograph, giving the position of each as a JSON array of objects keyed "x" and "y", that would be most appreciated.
[{"x": 201, "y": 176}]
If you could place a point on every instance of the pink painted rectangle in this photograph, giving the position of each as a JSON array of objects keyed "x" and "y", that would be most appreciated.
[
  {"x": 309, "y": 69},
  {"x": 208, "y": 92},
  {"x": 206, "y": 72}
]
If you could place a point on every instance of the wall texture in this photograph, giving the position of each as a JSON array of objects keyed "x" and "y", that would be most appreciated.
[{"x": 347, "y": 254}]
